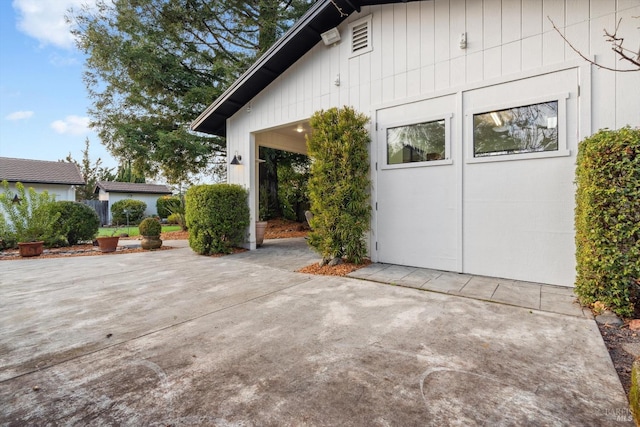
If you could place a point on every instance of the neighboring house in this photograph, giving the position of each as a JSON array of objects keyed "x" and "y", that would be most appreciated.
[
  {"x": 489, "y": 96},
  {"x": 112, "y": 192},
  {"x": 57, "y": 178}
]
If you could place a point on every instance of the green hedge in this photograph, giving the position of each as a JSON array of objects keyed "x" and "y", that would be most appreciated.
[
  {"x": 167, "y": 205},
  {"x": 339, "y": 184},
  {"x": 136, "y": 210},
  {"x": 77, "y": 222},
  {"x": 217, "y": 217},
  {"x": 607, "y": 220}
]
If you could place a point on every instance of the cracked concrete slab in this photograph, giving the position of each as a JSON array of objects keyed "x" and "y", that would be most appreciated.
[{"x": 172, "y": 338}]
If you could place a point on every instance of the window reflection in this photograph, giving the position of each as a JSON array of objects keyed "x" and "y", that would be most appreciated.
[
  {"x": 420, "y": 142},
  {"x": 516, "y": 130}
]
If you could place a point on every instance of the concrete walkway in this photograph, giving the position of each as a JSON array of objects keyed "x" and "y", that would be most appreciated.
[
  {"x": 554, "y": 299},
  {"x": 173, "y": 338}
]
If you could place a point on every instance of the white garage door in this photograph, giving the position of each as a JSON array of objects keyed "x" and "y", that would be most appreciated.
[{"x": 495, "y": 195}]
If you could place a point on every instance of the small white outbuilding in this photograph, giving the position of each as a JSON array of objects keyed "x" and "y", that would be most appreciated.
[{"x": 111, "y": 192}]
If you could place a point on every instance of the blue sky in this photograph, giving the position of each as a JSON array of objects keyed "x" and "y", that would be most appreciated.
[{"x": 43, "y": 101}]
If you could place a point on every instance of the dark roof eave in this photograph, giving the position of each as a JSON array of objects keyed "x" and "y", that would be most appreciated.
[
  {"x": 26, "y": 181},
  {"x": 138, "y": 192},
  {"x": 305, "y": 34}
]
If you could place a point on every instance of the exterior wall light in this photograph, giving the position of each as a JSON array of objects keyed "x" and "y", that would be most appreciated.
[
  {"x": 330, "y": 37},
  {"x": 16, "y": 200},
  {"x": 237, "y": 159}
]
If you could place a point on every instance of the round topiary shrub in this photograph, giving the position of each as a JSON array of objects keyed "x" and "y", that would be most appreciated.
[
  {"x": 135, "y": 208},
  {"x": 607, "y": 219},
  {"x": 150, "y": 227},
  {"x": 77, "y": 222},
  {"x": 217, "y": 217}
]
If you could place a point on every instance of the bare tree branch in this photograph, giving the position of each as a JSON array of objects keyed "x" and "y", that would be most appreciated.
[
  {"x": 342, "y": 14},
  {"x": 617, "y": 47}
]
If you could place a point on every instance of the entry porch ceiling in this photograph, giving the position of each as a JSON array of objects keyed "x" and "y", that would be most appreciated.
[
  {"x": 322, "y": 16},
  {"x": 287, "y": 138}
]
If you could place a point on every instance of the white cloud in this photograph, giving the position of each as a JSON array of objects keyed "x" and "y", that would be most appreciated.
[
  {"x": 44, "y": 20},
  {"x": 19, "y": 115},
  {"x": 72, "y": 125}
]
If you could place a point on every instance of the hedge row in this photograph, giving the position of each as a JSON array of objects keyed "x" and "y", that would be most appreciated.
[{"x": 607, "y": 220}]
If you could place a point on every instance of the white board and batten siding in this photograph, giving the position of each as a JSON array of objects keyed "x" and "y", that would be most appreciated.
[
  {"x": 507, "y": 217},
  {"x": 60, "y": 191}
]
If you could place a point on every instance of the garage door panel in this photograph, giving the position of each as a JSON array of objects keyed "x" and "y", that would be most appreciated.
[
  {"x": 417, "y": 218},
  {"x": 503, "y": 208}
]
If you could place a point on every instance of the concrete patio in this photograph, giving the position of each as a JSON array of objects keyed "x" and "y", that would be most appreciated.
[
  {"x": 538, "y": 296},
  {"x": 172, "y": 338}
]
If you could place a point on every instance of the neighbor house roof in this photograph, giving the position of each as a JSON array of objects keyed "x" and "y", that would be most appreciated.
[
  {"x": 39, "y": 172},
  {"x": 131, "y": 187},
  {"x": 322, "y": 16}
]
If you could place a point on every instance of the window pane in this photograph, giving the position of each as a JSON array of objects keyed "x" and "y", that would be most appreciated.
[
  {"x": 421, "y": 142},
  {"x": 516, "y": 130}
]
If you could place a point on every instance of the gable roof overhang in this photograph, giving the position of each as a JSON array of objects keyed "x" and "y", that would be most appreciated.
[
  {"x": 300, "y": 38},
  {"x": 28, "y": 171},
  {"x": 131, "y": 187}
]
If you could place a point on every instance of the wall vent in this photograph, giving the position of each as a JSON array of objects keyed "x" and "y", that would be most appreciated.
[{"x": 360, "y": 36}]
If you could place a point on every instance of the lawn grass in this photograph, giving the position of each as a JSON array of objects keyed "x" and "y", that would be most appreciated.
[{"x": 131, "y": 230}]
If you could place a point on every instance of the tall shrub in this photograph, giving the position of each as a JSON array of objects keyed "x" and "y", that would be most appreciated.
[
  {"x": 77, "y": 222},
  {"x": 135, "y": 209},
  {"x": 339, "y": 184},
  {"x": 607, "y": 220},
  {"x": 30, "y": 219},
  {"x": 217, "y": 217}
]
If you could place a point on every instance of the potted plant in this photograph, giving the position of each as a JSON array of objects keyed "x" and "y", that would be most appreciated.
[
  {"x": 30, "y": 219},
  {"x": 150, "y": 229},
  {"x": 108, "y": 244},
  {"x": 261, "y": 227}
]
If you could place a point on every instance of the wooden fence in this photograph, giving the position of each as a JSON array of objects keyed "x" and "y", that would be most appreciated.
[{"x": 102, "y": 209}]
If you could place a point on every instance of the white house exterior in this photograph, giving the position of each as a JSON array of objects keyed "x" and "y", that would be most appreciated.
[
  {"x": 113, "y": 192},
  {"x": 458, "y": 66},
  {"x": 57, "y": 178}
]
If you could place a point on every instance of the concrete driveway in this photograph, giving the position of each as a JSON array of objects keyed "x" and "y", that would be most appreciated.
[{"x": 172, "y": 338}]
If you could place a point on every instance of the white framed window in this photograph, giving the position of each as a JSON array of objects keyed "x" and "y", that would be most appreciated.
[
  {"x": 360, "y": 32},
  {"x": 418, "y": 143},
  {"x": 529, "y": 129}
]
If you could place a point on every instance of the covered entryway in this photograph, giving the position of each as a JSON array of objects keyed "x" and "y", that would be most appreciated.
[
  {"x": 496, "y": 197},
  {"x": 289, "y": 138}
]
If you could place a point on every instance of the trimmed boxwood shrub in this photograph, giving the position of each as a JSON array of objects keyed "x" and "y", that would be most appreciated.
[
  {"x": 77, "y": 221},
  {"x": 166, "y": 205},
  {"x": 339, "y": 184},
  {"x": 174, "y": 219},
  {"x": 607, "y": 220},
  {"x": 150, "y": 227},
  {"x": 136, "y": 210},
  {"x": 217, "y": 217}
]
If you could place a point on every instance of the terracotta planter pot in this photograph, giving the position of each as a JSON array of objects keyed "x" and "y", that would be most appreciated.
[
  {"x": 261, "y": 226},
  {"x": 150, "y": 242},
  {"x": 28, "y": 249},
  {"x": 108, "y": 244}
]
